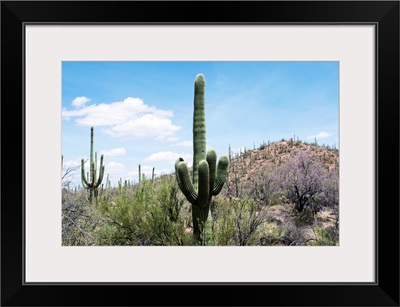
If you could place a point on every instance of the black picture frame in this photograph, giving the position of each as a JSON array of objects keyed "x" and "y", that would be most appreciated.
[{"x": 383, "y": 14}]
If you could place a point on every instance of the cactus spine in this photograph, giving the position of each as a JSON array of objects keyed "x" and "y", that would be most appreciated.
[
  {"x": 208, "y": 178},
  {"x": 91, "y": 182}
]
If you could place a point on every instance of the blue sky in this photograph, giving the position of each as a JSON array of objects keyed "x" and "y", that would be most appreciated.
[{"x": 142, "y": 112}]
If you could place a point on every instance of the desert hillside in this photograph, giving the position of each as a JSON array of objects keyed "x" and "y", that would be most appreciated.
[
  {"x": 258, "y": 173},
  {"x": 282, "y": 193}
]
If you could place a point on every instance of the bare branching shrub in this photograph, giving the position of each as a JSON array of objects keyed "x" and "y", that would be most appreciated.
[
  {"x": 303, "y": 177},
  {"x": 249, "y": 216},
  {"x": 67, "y": 173},
  {"x": 79, "y": 220}
]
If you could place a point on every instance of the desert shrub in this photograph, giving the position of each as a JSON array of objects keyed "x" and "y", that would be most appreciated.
[
  {"x": 330, "y": 197},
  {"x": 249, "y": 217},
  {"x": 78, "y": 219},
  {"x": 149, "y": 215},
  {"x": 292, "y": 234},
  {"x": 304, "y": 218},
  {"x": 263, "y": 187},
  {"x": 327, "y": 236},
  {"x": 237, "y": 221},
  {"x": 303, "y": 178},
  {"x": 223, "y": 222}
]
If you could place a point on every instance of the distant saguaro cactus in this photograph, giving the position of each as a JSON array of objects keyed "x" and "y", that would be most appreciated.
[
  {"x": 208, "y": 178},
  {"x": 91, "y": 182}
]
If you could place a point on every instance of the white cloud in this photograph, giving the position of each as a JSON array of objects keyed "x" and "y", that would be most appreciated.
[
  {"x": 79, "y": 102},
  {"x": 166, "y": 156},
  {"x": 115, "y": 171},
  {"x": 149, "y": 125},
  {"x": 185, "y": 144},
  {"x": 114, "y": 166},
  {"x": 128, "y": 118},
  {"x": 120, "y": 151},
  {"x": 320, "y": 135},
  {"x": 171, "y": 138}
]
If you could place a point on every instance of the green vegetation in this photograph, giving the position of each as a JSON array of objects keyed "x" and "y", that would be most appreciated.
[{"x": 257, "y": 205}]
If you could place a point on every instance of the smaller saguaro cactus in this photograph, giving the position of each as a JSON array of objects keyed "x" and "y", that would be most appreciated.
[
  {"x": 108, "y": 182},
  {"x": 92, "y": 180}
]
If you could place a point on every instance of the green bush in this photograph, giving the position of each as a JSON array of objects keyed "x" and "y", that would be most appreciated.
[
  {"x": 238, "y": 221},
  {"x": 146, "y": 214},
  {"x": 327, "y": 236}
]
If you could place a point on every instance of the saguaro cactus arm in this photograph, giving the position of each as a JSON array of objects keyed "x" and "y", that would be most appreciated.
[
  {"x": 222, "y": 172},
  {"x": 203, "y": 199},
  {"x": 211, "y": 158},
  {"x": 101, "y": 174},
  {"x": 184, "y": 182},
  {"x": 83, "y": 176}
]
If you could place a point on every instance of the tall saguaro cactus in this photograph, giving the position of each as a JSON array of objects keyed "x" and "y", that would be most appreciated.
[
  {"x": 208, "y": 178},
  {"x": 91, "y": 182}
]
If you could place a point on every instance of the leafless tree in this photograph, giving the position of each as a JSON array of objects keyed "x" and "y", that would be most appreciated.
[
  {"x": 67, "y": 172},
  {"x": 303, "y": 177},
  {"x": 249, "y": 216}
]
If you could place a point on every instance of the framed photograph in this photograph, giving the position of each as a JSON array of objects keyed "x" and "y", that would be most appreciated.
[{"x": 247, "y": 150}]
